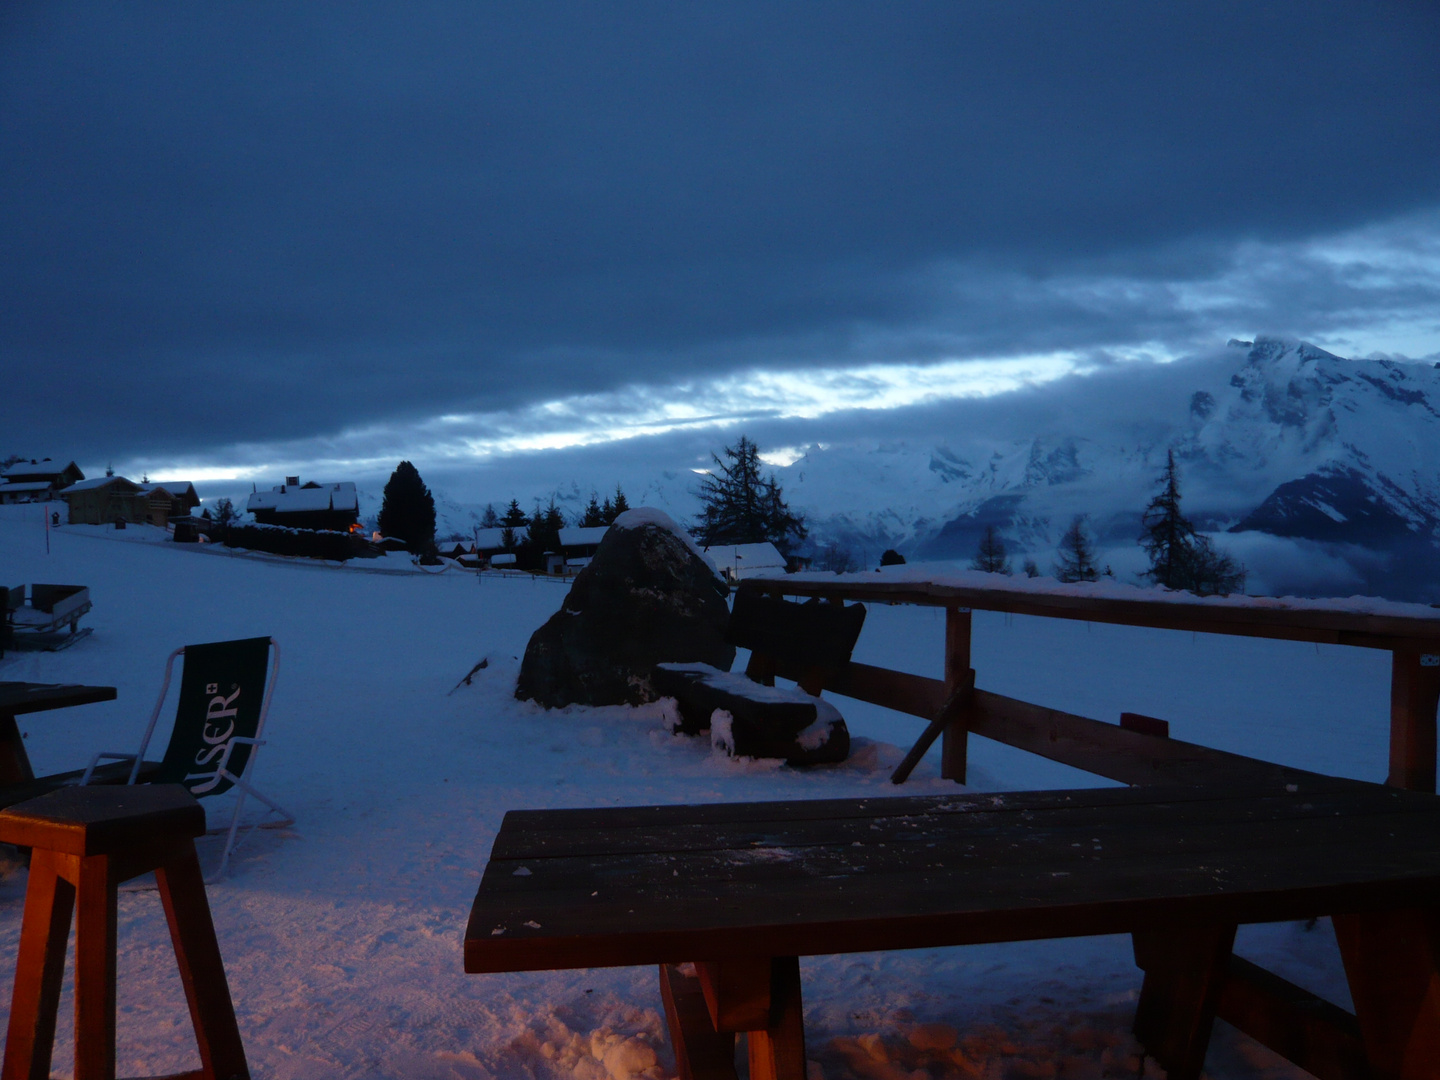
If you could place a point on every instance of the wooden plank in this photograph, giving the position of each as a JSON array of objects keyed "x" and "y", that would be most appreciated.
[
  {"x": 1176, "y": 611},
  {"x": 1320, "y": 1037},
  {"x": 701, "y": 1052},
  {"x": 898, "y": 690},
  {"x": 1112, "y": 751},
  {"x": 951, "y": 714},
  {"x": 1414, "y": 692},
  {"x": 1145, "y": 725},
  {"x": 39, "y": 969},
  {"x": 958, "y": 673}
]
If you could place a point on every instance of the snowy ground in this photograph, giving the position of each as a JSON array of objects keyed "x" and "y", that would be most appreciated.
[{"x": 342, "y": 936}]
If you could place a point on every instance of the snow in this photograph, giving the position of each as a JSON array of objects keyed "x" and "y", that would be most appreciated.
[
  {"x": 342, "y": 936},
  {"x": 288, "y": 498},
  {"x": 946, "y": 574},
  {"x": 649, "y": 515}
]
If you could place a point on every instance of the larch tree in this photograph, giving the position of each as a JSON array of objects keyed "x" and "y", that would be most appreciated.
[
  {"x": 1180, "y": 557},
  {"x": 990, "y": 557},
  {"x": 1075, "y": 560},
  {"x": 739, "y": 506}
]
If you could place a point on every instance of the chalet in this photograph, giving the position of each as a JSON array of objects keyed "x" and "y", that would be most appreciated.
[
  {"x": 169, "y": 499},
  {"x": 37, "y": 481},
  {"x": 106, "y": 500},
  {"x": 307, "y": 506},
  {"x": 739, "y": 561}
]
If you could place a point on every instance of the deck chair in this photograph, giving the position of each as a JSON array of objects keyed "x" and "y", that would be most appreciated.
[{"x": 219, "y": 724}]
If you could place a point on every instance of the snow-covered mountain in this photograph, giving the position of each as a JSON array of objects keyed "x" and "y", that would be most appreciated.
[
  {"x": 1325, "y": 472},
  {"x": 1321, "y": 474}
]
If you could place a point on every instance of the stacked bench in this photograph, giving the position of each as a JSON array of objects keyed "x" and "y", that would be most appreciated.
[{"x": 811, "y": 642}]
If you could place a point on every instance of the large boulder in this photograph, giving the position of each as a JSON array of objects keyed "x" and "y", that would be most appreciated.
[{"x": 649, "y": 595}]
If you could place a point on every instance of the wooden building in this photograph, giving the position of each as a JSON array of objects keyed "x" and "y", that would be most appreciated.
[
  {"x": 37, "y": 481},
  {"x": 106, "y": 500},
  {"x": 169, "y": 499},
  {"x": 307, "y": 506}
]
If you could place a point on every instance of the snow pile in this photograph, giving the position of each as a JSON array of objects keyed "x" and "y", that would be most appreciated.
[{"x": 342, "y": 936}]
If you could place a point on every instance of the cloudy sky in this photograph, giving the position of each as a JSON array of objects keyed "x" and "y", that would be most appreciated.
[{"x": 238, "y": 241}]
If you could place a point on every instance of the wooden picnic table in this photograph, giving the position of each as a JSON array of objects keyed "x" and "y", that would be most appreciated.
[
  {"x": 1410, "y": 632},
  {"x": 742, "y": 890},
  {"x": 17, "y": 698}
]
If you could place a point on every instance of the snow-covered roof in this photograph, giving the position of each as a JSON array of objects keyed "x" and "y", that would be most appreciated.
[
  {"x": 98, "y": 482},
  {"x": 289, "y": 499},
  {"x": 746, "y": 556},
  {"x": 494, "y": 538},
  {"x": 41, "y": 468},
  {"x": 173, "y": 487},
  {"x": 27, "y": 485},
  {"x": 575, "y": 535}
]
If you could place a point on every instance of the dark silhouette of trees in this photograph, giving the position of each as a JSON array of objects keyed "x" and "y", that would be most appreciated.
[
  {"x": 891, "y": 557},
  {"x": 225, "y": 513},
  {"x": 619, "y": 506},
  {"x": 594, "y": 515},
  {"x": 490, "y": 519},
  {"x": 1075, "y": 561},
  {"x": 1180, "y": 558},
  {"x": 741, "y": 507},
  {"x": 1030, "y": 569},
  {"x": 407, "y": 510},
  {"x": 990, "y": 557}
]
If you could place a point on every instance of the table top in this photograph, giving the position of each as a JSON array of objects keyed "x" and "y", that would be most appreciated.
[
  {"x": 24, "y": 697},
  {"x": 1376, "y": 624},
  {"x": 667, "y": 884}
]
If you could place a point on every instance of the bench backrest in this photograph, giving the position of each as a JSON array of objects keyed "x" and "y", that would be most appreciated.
[{"x": 813, "y": 640}]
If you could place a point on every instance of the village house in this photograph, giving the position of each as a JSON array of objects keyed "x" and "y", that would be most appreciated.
[
  {"x": 36, "y": 481},
  {"x": 739, "y": 561},
  {"x": 307, "y": 506},
  {"x": 169, "y": 499},
  {"x": 106, "y": 500}
]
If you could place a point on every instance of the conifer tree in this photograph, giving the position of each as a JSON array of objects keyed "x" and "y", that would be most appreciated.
[
  {"x": 490, "y": 519},
  {"x": 594, "y": 515},
  {"x": 1075, "y": 561},
  {"x": 620, "y": 506},
  {"x": 514, "y": 517},
  {"x": 741, "y": 507},
  {"x": 990, "y": 558},
  {"x": 1031, "y": 569},
  {"x": 407, "y": 509}
]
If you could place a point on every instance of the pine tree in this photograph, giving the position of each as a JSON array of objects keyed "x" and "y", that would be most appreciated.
[
  {"x": 225, "y": 513},
  {"x": 490, "y": 519},
  {"x": 990, "y": 558},
  {"x": 407, "y": 509},
  {"x": 594, "y": 515},
  {"x": 620, "y": 506},
  {"x": 514, "y": 517},
  {"x": 741, "y": 507},
  {"x": 891, "y": 557},
  {"x": 1169, "y": 538},
  {"x": 1075, "y": 561}
]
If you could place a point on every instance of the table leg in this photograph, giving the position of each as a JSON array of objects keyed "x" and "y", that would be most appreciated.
[
  {"x": 701, "y": 1052},
  {"x": 39, "y": 969},
  {"x": 1185, "y": 968},
  {"x": 14, "y": 762},
  {"x": 1392, "y": 961},
  {"x": 1414, "y": 692},
  {"x": 777, "y": 1052}
]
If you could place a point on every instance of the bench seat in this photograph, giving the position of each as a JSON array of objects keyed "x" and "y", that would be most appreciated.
[{"x": 754, "y": 720}]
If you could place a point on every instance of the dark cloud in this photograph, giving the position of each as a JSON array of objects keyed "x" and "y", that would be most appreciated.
[{"x": 261, "y": 223}]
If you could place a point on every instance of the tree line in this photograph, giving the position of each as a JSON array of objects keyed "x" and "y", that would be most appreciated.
[{"x": 1180, "y": 557}]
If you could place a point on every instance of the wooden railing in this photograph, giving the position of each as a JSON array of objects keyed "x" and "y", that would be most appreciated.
[{"x": 1409, "y": 632}]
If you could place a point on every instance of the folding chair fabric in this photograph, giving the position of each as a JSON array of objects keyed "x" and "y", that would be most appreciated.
[{"x": 222, "y": 691}]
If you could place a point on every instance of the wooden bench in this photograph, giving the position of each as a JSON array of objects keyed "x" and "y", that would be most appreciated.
[
  {"x": 743, "y": 890},
  {"x": 811, "y": 642}
]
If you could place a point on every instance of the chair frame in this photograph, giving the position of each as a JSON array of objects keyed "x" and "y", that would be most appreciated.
[{"x": 241, "y": 782}]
